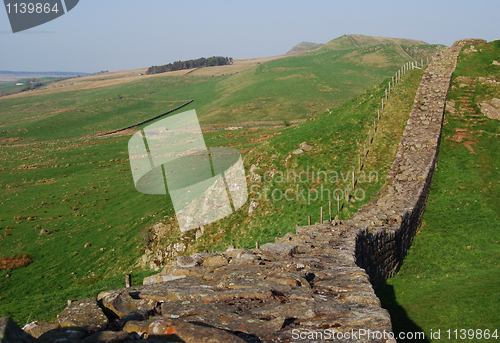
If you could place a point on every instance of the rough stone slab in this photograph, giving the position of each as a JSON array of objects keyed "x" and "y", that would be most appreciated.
[
  {"x": 279, "y": 248},
  {"x": 137, "y": 315},
  {"x": 244, "y": 323},
  {"x": 63, "y": 335},
  {"x": 36, "y": 329},
  {"x": 84, "y": 313},
  {"x": 120, "y": 303},
  {"x": 10, "y": 332},
  {"x": 183, "y": 309},
  {"x": 108, "y": 337},
  {"x": 243, "y": 282},
  {"x": 176, "y": 330},
  {"x": 158, "y": 278},
  {"x": 212, "y": 261}
]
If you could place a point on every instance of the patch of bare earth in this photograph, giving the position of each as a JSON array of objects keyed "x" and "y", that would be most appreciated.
[
  {"x": 13, "y": 262},
  {"x": 460, "y": 136}
]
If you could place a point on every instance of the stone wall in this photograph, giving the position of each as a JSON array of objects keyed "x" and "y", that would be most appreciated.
[
  {"x": 301, "y": 288},
  {"x": 389, "y": 222}
]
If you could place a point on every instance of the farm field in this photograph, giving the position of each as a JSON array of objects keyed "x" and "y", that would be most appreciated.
[{"x": 68, "y": 198}]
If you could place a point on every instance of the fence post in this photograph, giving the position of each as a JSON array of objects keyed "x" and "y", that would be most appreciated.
[
  {"x": 257, "y": 245},
  {"x": 309, "y": 220},
  {"x": 382, "y": 104},
  {"x": 128, "y": 281},
  {"x": 378, "y": 114},
  {"x": 386, "y": 94},
  {"x": 338, "y": 204},
  {"x": 321, "y": 215},
  {"x": 389, "y": 88},
  {"x": 330, "y": 210}
]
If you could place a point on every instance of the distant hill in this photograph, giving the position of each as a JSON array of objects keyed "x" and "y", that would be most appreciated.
[
  {"x": 361, "y": 45},
  {"x": 304, "y": 46},
  {"x": 360, "y": 41},
  {"x": 6, "y": 75}
]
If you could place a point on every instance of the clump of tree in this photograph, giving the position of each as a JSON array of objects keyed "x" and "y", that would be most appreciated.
[
  {"x": 190, "y": 64},
  {"x": 33, "y": 84}
]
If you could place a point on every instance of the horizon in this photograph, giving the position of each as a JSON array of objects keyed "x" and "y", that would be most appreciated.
[
  {"x": 97, "y": 72},
  {"x": 131, "y": 35}
]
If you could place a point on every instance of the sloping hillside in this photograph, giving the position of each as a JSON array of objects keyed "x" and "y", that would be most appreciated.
[{"x": 283, "y": 90}]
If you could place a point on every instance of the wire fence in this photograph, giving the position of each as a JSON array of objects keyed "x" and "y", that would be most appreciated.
[{"x": 341, "y": 202}]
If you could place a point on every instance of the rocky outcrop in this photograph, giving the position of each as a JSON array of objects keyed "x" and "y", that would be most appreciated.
[{"x": 306, "y": 286}]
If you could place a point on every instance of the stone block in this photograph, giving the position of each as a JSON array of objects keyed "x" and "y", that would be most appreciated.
[
  {"x": 84, "y": 313},
  {"x": 279, "y": 249}
]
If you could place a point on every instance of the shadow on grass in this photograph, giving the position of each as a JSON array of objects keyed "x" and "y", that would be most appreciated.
[{"x": 401, "y": 323}]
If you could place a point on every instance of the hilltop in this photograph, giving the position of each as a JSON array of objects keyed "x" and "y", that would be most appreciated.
[
  {"x": 360, "y": 41},
  {"x": 304, "y": 46}
]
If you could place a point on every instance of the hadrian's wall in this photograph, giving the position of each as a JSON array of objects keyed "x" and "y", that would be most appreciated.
[
  {"x": 320, "y": 278},
  {"x": 390, "y": 221}
]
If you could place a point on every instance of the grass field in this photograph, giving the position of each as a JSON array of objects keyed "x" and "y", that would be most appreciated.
[
  {"x": 451, "y": 275},
  {"x": 59, "y": 194}
]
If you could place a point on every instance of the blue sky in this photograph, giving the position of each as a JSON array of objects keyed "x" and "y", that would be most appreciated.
[{"x": 126, "y": 34}]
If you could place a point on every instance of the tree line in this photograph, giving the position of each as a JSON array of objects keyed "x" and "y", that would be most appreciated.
[{"x": 190, "y": 64}]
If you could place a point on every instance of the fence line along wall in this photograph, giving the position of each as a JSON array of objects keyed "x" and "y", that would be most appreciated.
[{"x": 322, "y": 278}]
